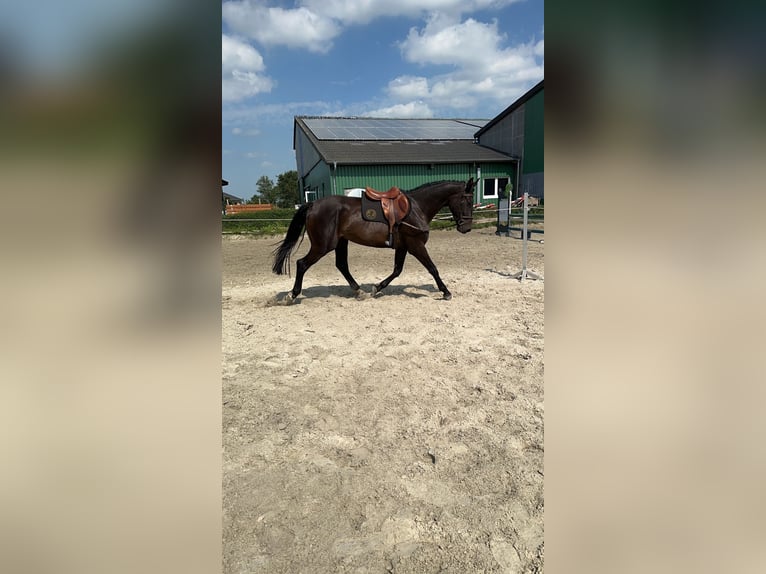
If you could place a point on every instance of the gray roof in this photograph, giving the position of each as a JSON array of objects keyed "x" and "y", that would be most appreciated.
[
  {"x": 232, "y": 197},
  {"x": 416, "y": 152},
  {"x": 393, "y": 129},
  {"x": 416, "y": 149}
]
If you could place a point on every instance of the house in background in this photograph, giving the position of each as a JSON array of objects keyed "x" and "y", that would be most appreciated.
[
  {"x": 228, "y": 199},
  {"x": 336, "y": 155}
]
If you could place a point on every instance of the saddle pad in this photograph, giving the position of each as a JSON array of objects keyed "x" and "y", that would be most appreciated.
[{"x": 372, "y": 210}]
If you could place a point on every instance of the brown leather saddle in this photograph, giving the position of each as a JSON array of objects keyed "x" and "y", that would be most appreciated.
[{"x": 395, "y": 205}]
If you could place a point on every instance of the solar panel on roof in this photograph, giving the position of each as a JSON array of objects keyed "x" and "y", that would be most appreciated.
[
  {"x": 323, "y": 133},
  {"x": 391, "y": 129}
]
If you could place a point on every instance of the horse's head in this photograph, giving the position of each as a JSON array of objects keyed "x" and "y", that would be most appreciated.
[{"x": 461, "y": 205}]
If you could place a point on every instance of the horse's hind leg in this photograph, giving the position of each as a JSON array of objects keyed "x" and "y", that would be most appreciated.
[
  {"x": 420, "y": 253},
  {"x": 341, "y": 262},
  {"x": 302, "y": 266},
  {"x": 399, "y": 256}
]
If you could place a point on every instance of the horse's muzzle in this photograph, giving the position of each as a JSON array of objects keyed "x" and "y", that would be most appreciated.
[{"x": 464, "y": 225}]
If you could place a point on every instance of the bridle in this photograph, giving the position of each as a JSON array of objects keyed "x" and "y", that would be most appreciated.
[
  {"x": 465, "y": 214},
  {"x": 466, "y": 210}
]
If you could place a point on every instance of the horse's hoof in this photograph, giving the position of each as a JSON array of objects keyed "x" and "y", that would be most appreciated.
[
  {"x": 447, "y": 296},
  {"x": 360, "y": 295},
  {"x": 289, "y": 299},
  {"x": 374, "y": 291}
]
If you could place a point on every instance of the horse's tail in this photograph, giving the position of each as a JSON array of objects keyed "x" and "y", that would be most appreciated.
[{"x": 294, "y": 233}]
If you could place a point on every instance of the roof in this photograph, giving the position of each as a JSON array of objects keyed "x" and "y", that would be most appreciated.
[
  {"x": 413, "y": 152},
  {"x": 390, "y": 129},
  {"x": 513, "y": 107},
  {"x": 232, "y": 197},
  {"x": 418, "y": 141}
]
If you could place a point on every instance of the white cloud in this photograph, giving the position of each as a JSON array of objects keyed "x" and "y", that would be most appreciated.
[
  {"x": 245, "y": 132},
  {"x": 408, "y": 110},
  {"x": 241, "y": 70},
  {"x": 482, "y": 68},
  {"x": 408, "y": 87},
  {"x": 314, "y": 24},
  {"x": 271, "y": 26},
  {"x": 476, "y": 66},
  {"x": 236, "y": 54},
  {"x": 464, "y": 44},
  {"x": 364, "y": 11},
  {"x": 246, "y": 114}
]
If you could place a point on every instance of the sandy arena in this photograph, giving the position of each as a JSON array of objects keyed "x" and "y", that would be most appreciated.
[{"x": 401, "y": 433}]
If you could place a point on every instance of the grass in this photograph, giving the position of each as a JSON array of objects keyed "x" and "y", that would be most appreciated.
[{"x": 262, "y": 223}]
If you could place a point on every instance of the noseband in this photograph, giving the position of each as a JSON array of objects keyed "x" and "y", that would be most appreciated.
[{"x": 466, "y": 211}]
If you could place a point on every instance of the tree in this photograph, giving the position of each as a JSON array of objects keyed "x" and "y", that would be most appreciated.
[
  {"x": 264, "y": 190},
  {"x": 286, "y": 190}
]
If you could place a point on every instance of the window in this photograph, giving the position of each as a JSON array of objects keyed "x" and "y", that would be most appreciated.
[{"x": 494, "y": 187}]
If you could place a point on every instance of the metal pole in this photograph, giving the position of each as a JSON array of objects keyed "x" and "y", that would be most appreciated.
[
  {"x": 524, "y": 274},
  {"x": 525, "y": 233}
]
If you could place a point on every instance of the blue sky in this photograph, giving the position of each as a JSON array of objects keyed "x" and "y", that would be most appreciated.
[{"x": 382, "y": 58}]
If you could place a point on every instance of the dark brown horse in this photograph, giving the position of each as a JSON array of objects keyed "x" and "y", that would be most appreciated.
[{"x": 332, "y": 222}]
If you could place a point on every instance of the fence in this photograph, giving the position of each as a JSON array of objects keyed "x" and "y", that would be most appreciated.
[
  {"x": 510, "y": 214},
  {"x": 247, "y": 208},
  {"x": 276, "y": 221},
  {"x": 534, "y": 217}
]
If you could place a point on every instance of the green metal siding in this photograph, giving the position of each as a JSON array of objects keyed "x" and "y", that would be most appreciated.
[
  {"x": 494, "y": 171},
  {"x": 318, "y": 180},
  {"x": 534, "y": 148},
  {"x": 497, "y": 170},
  {"x": 403, "y": 176}
]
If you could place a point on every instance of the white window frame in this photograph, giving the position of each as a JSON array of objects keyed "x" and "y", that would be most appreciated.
[
  {"x": 496, "y": 186},
  {"x": 487, "y": 180}
]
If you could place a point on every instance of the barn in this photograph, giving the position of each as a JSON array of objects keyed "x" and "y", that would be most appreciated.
[
  {"x": 336, "y": 155},
  {"x": 518, "y": 132}
]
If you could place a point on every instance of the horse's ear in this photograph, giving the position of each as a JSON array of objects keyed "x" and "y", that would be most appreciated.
[{"x": 469, "y": 184}]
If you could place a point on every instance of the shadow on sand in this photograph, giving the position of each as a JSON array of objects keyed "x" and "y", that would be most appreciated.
[{"x": 345, "y": 292}]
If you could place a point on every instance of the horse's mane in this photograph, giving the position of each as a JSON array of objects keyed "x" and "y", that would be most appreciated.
[{"x": 431, "y": 184}]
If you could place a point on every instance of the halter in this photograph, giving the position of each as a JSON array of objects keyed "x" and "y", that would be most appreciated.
[
  {"x": 465, "y": 215},
  {"x": 466, "y": 209}
]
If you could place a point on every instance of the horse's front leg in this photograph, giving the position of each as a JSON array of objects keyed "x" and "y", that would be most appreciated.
[
  {"x": 341, "y": 262},
  {"x": 399, "y": 256},
  {"x": 420, "y": 253}
]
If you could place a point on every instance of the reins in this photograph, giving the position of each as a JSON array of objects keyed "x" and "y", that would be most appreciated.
[{"x": 402, "y": 222}]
